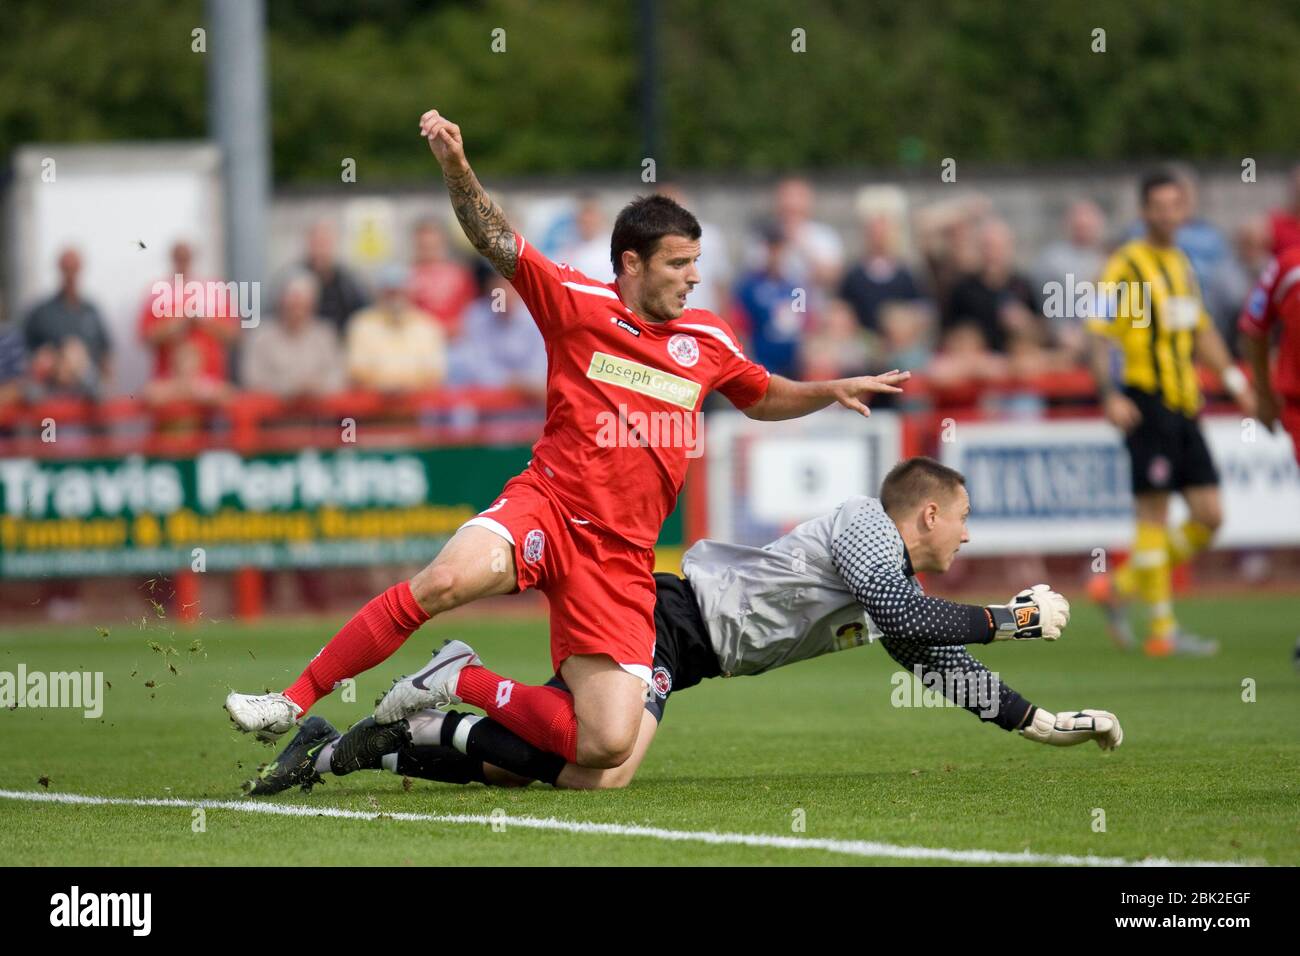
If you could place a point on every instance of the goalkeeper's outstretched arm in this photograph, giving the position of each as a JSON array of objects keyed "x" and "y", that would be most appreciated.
[
  {"x": 965, "y": 681},
  {"x": 968, "y": 683}
]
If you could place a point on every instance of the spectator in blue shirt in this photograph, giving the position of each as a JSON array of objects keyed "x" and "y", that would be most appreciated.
[
  {"x": 499, "y": 345},
  {"x": 772, "y": 308},
  {"x": 13, "y": 362}
]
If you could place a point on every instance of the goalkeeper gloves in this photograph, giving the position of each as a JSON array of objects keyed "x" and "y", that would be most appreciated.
[
  {"x": 1034, "y": 612},
  {"x": 1069, "y": 728}
]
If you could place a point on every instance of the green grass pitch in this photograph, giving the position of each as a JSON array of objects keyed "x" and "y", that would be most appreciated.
[{"x": 1202, "y": 775}]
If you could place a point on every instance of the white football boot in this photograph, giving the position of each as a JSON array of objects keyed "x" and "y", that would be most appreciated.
[
  {"x": 431, "y": 687},
  {"x": 265, "y": 716}
]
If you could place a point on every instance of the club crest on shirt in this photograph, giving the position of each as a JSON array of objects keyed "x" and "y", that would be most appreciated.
[
  {"x": 684, "y": 350},
  {"x": 533, "y": 545},
  {"x": 662, "y": 681}
]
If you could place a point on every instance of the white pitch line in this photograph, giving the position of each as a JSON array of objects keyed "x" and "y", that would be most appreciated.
[{"x": 864, "y": 848}]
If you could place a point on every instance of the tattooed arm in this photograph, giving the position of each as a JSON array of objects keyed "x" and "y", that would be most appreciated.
[{"x": 484, "y": 223}]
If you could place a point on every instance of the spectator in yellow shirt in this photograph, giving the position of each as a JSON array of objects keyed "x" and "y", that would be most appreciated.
[{"x": 393, "y": 346}]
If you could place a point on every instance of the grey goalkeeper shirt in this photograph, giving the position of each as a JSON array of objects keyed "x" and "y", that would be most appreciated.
[
  {"x": 835, "y": 581},
  {"x": 838, "y": 581}
]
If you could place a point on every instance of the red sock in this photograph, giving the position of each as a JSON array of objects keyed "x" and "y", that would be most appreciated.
[
  {"x": 371, "y": 637},
  {"x": 543, "y": 716}
]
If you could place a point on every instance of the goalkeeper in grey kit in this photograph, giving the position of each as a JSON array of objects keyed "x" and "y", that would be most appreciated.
[{"x": 837, "y": 581}]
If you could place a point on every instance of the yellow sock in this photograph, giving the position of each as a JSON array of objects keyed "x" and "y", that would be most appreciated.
[
  {"x": 1150, "y": 564},
  {"x": 1188, "y": 541},
  {"x": 1125, "y": 578}
]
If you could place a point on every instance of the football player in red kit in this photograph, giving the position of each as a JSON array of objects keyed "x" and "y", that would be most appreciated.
[
  {"x": 629, "y": 366},
  {"x": 1276, "y": 299}
]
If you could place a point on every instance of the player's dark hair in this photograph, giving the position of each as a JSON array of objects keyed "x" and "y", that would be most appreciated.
[
  {"x": 643, "y": 222},
  {"x": 1154, "y": 180},
  {"x": 915, "y": 481}
]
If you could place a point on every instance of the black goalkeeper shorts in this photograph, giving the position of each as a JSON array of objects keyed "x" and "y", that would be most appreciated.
[
  {"x": 683, "y": 654},
  {"x": 1167, "y": 451}
]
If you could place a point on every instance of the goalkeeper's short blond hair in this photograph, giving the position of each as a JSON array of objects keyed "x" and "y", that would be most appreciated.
[{"x": 916, "y": 481}]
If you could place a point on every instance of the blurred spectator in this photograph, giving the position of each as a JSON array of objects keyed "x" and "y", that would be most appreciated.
[
  {"x": 1080, "y": 254},
  {"x": 964, "y": 358},
  {"x": 392, "y": 346},
  {"x": 1284, "y": 224},
  {"x": 13, "y": 361},
  {"x": 948, "y": 236},
  {"x": 878, "y": 277},
  {"x": 439, "y": 284},
  {"x": 813, "y": 251},
  {"x": 765, "y": 306},
  {"x": 67, "y": 342},
  {"x": 714, "y": 265},
  {"x": 1253, "y": 248},
  {"x": 341, "y": 292},
  {"x": 839, "y": 348},
  {"x": 1000, "y": 301},
  {"x": 67, "y": 353},
  {"x": 1252, "y": 241},
  {"x": 1203, "y": 241},
  {"x": 1063, "y": 265},
  {"x": 906, "y": 335},
  {"x": 589, "y": 252},
  {"x": 189, "y": 324},
  {"x": 500, "y": 346},
  {"x": 298, "y": 354}
]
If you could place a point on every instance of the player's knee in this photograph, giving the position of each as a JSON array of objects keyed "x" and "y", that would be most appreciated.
[
  {"x": 438, "y": 587},
  {"x": 605, "y": 749},
  {"x": 602, "y": 757},
  {"x": 1211, "y": 516}
]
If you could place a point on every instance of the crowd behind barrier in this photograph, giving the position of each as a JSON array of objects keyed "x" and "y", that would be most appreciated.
[{"x": 942, "y": 290}]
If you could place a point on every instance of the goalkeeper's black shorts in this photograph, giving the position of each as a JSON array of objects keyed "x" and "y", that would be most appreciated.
[{"x": 683, "y": 654}]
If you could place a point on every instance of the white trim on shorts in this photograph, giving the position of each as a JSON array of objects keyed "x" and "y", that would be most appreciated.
[
  {"x": 638, "y": 670},
  {"x": 496, "y": 527}
]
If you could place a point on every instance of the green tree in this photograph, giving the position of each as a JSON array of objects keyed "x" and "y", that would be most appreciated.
[{"x": 880, "y": 84}]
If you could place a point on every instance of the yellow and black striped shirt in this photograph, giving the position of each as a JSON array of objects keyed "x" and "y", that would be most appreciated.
[{"x": 1149, "y": 303}]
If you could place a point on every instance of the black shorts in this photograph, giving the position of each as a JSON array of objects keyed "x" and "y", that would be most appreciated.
[
  {"x": 1167, "y": 450},
  {"x": 683, "y": 654}
]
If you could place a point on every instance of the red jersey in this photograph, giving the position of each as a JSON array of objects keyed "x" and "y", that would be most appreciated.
[
  {"x": 443, "y": 289},
  {"x": 1285, "y": 227},
  {"x": 623, "y": 396},
  {"x": 198, "y": 352},
  {"x": 1277, "y": 297}
]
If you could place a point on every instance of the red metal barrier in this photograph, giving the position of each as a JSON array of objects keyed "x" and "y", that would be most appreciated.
[
  {"x": 258, "y": 422},
  {"x": 253, "y": 422}
]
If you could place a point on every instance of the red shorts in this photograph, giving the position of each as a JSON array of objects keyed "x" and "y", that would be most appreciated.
[{"x": 601, "y": 589}]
